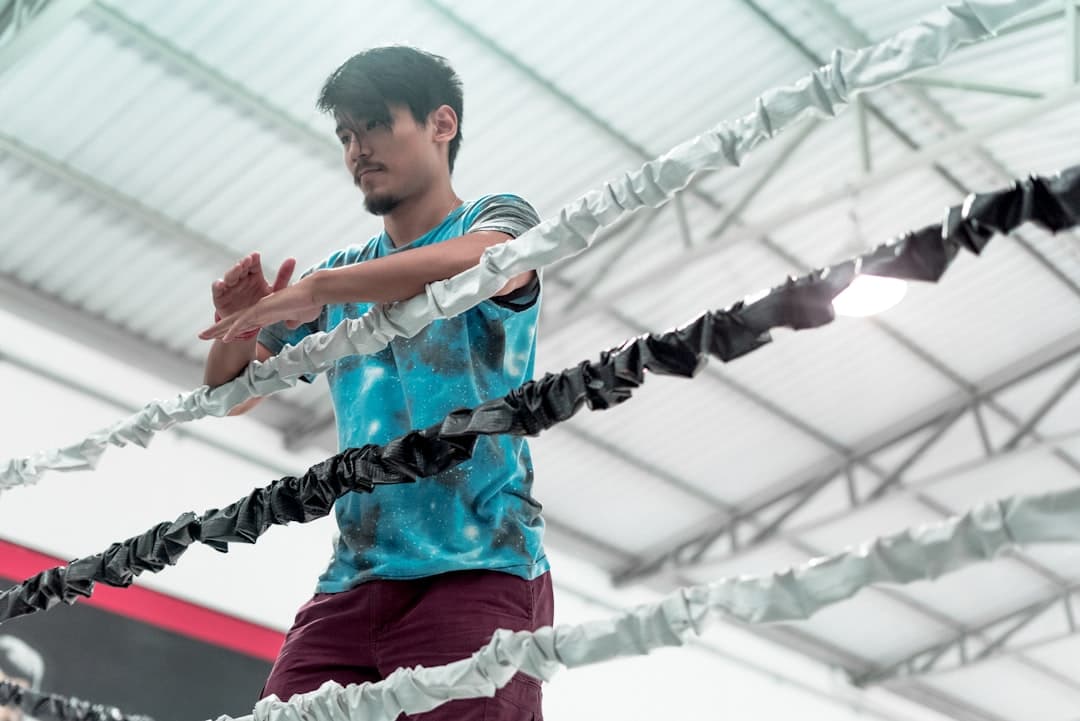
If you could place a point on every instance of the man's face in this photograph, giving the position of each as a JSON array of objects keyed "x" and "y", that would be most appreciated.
[
  {"x": 8, "y": 713},
  {"x": 389, "y": 164}
]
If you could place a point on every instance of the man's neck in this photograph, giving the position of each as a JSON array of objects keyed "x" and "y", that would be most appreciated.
[{"x": 416, "y": 216}]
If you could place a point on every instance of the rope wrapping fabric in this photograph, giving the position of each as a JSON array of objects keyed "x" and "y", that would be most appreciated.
[
  {"x": 824, "y": 93},
  {"x": 303, "y": 499},
  {"x": 799, "y": 303},
  {"x": 918, "y": 554},
  {"x": 51, "y": 707}
]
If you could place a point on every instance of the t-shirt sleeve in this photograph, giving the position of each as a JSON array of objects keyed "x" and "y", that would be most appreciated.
[
  {"x": 514, "y": 216},
  {"x": 504, "y": 213},
  {"x": 277, "y": 336}
]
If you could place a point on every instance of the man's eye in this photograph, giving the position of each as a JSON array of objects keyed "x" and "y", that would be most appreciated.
[{"x": 344, "y": 139}]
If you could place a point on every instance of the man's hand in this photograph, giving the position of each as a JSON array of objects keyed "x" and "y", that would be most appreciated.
[
  {"x": 244, "y": 285},
  {"x": 295, "y": 305}
]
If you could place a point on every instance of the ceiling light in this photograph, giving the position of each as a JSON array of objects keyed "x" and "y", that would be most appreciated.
[{"x": 869, "y": 294}]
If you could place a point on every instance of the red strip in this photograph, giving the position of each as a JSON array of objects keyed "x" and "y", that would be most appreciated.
[{"x": 156, "y": 609}]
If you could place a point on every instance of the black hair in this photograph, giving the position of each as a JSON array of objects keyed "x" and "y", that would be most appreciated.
[{"x": 369, "y": 82}]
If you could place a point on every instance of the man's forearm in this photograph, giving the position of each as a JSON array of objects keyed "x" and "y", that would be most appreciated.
[
  {"x": 403, "y": 275},
  {"x": 226, "y": 360}
]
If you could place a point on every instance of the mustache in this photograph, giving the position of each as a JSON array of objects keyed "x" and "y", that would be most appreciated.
[{"x": 360, "y": 170}]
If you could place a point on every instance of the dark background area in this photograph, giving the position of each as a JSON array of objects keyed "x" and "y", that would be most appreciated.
[{"x": 108, "y": 658}]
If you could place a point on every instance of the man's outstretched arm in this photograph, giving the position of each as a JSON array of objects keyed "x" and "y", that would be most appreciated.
[{"x": 381, "y": 280}]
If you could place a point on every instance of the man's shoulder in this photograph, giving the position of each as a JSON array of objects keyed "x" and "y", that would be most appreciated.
[{"x": 494, "y": 200}]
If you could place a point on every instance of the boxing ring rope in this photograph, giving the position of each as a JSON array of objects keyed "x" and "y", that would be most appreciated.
[
  {"x": 799, "y": 303},
  {"x": 824, "y": 92},
  {"x": 53, "y": 707},
  {"x": 918, "y": 554}
]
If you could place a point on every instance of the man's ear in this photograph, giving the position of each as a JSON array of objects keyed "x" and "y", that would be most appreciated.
[{"x": 444, "y": 121}]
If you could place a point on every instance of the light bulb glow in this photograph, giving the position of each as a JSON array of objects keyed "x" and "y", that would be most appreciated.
[{"x": 868, "y": 295}]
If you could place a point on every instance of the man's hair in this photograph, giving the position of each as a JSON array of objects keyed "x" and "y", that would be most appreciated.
[{"x": 368, "y": 83}]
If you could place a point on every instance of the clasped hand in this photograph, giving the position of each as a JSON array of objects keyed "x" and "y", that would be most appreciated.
[{"x": 245, "y": 302}]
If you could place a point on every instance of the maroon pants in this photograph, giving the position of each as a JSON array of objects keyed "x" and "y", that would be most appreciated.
[{"x": 366, "y": 633}]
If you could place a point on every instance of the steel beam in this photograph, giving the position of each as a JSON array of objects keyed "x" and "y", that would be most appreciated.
[
  {"x": 605, "y": 237},
  {"x": 25, "y": 25},
  {"x": 917, "y": 158},
  {"x": 925, "y": 156},
  {"x": 673, "y": 549},
  {"x": 576, "y": 105},
  {"x": 898, "y": 596},
  {"x": 1033, "y": 21},
  {"x": 1044, "y": 408},
  {"x": 322, "y": 145},
  {"x": 862, "y": 129},
  {"x": 579, "y": 108},
  {"x": 859, "y": 704},
  {"x": 210, "y": 439},
  {"x": 1072, "y": 42},
  {"x": 617, "y": 251},
  {"x": 684, "y": 223},
  {"x": 843, "y": 25},
  {"x": 992, "y": 639},
  {"x": 167, "y": 228},
  {"x": 711, "y": 371},
  {"x": 952, "y": 180},
  {"x": 911, "y": 347},
  {"x": 970, "y": 86},
  {"x": 915, "y": 691},
  {"x": 97, "y": 332},
  {"x": 931, "y": 440},
  {"x": 790, "y": 637},
  {"x": 799, "y": 136}
]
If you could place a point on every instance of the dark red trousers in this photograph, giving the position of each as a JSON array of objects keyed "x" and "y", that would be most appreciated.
[{"x": 364, "y": 634}]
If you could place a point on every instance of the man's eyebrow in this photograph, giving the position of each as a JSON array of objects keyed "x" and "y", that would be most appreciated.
[{"x": 339, "y": 128}]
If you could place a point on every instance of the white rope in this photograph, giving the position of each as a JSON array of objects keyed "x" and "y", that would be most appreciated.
[
  {"x": 923, "y": 553},
  {"x": 824, "y": 92}
]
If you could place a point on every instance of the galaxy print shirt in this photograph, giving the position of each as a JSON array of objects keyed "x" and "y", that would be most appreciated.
[{"x": 480, "y": 514}]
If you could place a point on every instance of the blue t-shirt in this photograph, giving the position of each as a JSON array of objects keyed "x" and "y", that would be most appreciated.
[{"x": 480, "y": 514}]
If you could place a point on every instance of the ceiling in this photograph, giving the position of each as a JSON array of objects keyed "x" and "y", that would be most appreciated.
[{"x": 145, "y": 146}]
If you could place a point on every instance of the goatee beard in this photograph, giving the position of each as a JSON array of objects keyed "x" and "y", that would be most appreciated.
[{"x": 380, "y": 204}]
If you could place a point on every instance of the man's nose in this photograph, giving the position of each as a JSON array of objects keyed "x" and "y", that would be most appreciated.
[{"x": 358, "y": 150}]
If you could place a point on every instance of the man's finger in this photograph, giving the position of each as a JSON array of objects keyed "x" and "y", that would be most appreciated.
[
  {"x": 254, "y": 265},
  {"x": 233, "y": 275},
  {"x": 218, "y": 329},
  {"x": 240, "y": 330},
  {"x": 284, "y": 274},
  {"x": 213, "y": 332}
]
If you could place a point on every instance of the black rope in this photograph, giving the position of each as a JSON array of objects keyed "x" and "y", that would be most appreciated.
[
  {"x": 51, "y": 707},
  {"x": 799, "y": 303}
]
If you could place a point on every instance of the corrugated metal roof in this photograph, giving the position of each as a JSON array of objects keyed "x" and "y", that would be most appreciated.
[{"x": 149, "y": 144}]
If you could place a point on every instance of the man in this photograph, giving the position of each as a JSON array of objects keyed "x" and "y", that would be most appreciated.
[
  {"x": 22, "y": 665},
  {"x": 424, "y": 573}
]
